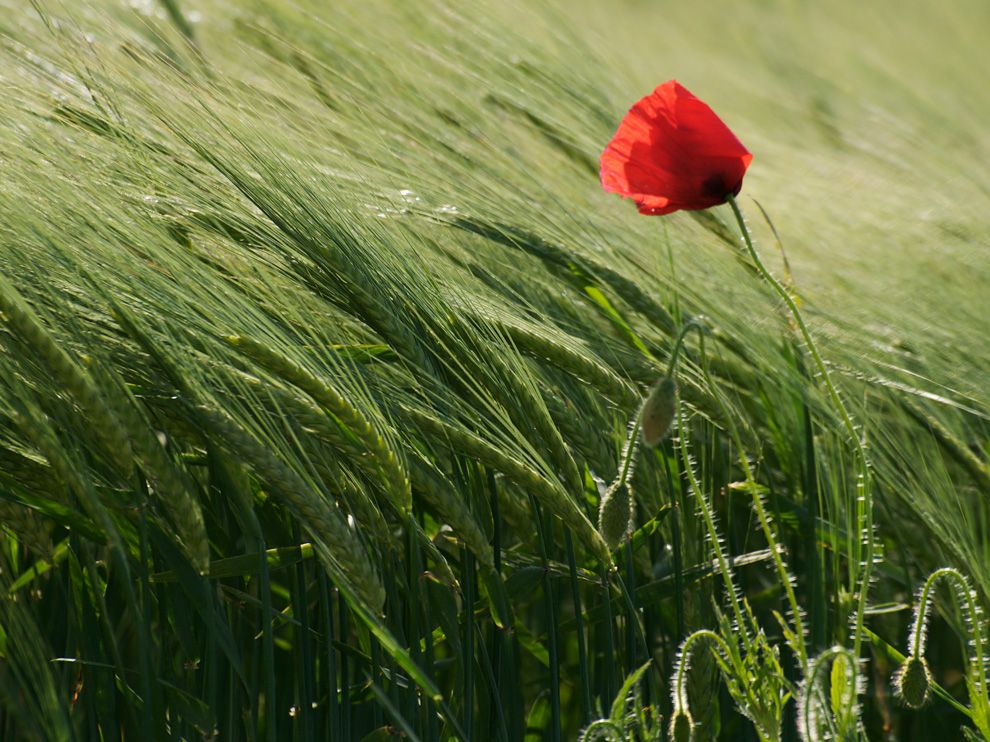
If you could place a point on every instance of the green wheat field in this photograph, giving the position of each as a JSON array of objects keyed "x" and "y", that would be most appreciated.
[{"x": 321, "y": 350}]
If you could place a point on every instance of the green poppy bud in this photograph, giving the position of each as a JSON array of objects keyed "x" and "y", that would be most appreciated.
[
  {"x": 659, "y": 410},
  {"x": 914, "y": 682},
  {"x": 615, "y": 514},
  {"x": 682, "y": 726}
]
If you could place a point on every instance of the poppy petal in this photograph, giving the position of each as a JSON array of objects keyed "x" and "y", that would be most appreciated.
[{"x": 672, "y": 152}]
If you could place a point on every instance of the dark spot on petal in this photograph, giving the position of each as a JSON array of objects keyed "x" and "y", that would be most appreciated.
[{"x": 714, "y": 186}]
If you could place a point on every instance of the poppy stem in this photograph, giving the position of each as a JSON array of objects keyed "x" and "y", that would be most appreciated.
[
  {"x": 629, "y": 452},
  {"x": 691, "y": 324},
  {"x": 864, "y": 494}
]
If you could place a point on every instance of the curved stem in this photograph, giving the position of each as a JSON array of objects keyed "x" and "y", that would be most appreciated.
[
  {"x": 680, "y": 696},
  {"x": 766, "y": 525},
  {"x": 864, "y": 496},
  {"x": 806, "y": 704},
  {"x": 629, "y": 452},
  {"x": 709, "y": 519},
  {"x": 691, "y": 324},
  {"x": 602, "y": 729},
  {"x": 964, "y": 594}
]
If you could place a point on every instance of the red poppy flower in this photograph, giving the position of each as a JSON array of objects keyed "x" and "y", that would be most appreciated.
[{"x": 672, "y": 152}]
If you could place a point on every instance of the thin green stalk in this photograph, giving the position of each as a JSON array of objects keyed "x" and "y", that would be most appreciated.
[
  {"x": 819, "y": 618},
  {"x": 345, "y": 673},
  {"x": 498, "y": 714},
  {"x": 675, "y": 534},
  {"x": 496, "y": 522},
  {"x": 414, "y": 564},
  {"x": 99, "y": 595},
  {"x": 254, "y": 689},
  {"x": 235, "y": 730},
  {"x": 145, "y": 647},
  {"x": 376, "y": 674},
  {"x": 144, "y": 661},
  {"x": 448, "y": 716},
  {"x": 586, "y": 706},
  {"x": 636, "y": 630},
  {"x": 82, "y": 602},
  {"x": 738, "y": 670},
  {"x": 390, "y": 576},
  {"x": 551, "y": 623},
  {"x": 467, "y": 577},
  {"x": 267, "y": 643},
  {"x": 554, "y": 658},
  {"x": 303, "y": 646},
  {"x": 864, "y": 494},
  {"x": 633, "y": 619},
  {"x": 499, "y": 636},
  {"x": 765, "y": 525},
  {"x": 691, "y": 324},
  {"x": 393, "y": 711},
  {"x": 709, "y": 520},
  {"x": 609, "y": 675},
  {"x": 432, "y": 720},
  {"x": 333, "y": 701}
]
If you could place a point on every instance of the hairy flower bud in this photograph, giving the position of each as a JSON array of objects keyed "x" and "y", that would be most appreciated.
[
  {"x": 914, "y": 682},
  {"x": 682, "y": 726},
  {"x": 658, "y": 411},
  {"x": 615, "y": 514}
]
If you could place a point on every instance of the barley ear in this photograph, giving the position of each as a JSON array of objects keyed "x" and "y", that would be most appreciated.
[
  {"x": 175, "y": 488},
  {"x": 350, "y": 415},
  {"x": 550, "y": 493},
  {"x": 30, "y": 528},
  {"x": 338, "y": 546},
  {"x": 25, "y": 324}
]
